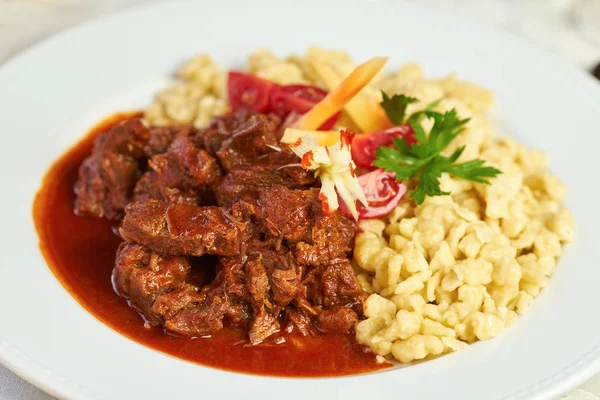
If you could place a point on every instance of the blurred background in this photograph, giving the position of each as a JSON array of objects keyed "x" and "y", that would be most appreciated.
[{"x": 568, "y": 28}]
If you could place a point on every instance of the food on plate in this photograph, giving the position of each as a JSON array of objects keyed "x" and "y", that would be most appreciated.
[{"x": 307, "y": 203}]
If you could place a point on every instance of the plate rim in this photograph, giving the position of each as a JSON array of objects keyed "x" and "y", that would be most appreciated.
[{"x": 578, "y": 371}]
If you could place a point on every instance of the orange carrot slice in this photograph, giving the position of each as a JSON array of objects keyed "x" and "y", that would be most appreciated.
[
  {"x": 324, "y": 138},
  {"x": 338, "y": 97},
  {"x": 364, "y": 110}
]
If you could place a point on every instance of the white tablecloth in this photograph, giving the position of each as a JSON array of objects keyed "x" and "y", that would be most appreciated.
[{"x": 546, "y": 22}]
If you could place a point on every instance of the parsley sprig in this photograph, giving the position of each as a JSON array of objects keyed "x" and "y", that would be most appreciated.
[{"x": 423, "y": 159}]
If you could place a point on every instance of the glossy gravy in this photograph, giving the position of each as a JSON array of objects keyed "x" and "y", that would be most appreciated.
[{"x": 80, "y": 251}]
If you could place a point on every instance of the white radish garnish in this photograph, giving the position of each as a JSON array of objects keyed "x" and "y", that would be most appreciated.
[{"x": 333, "y": 165}]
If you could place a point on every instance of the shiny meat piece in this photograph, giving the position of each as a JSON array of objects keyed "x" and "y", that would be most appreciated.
[
  {"x": 284, "y": 275},
  {"x": 285, "y": 213},
  {"x": 264, "y": 324},
  {"x": 339, "y": 285},
  {"x": 232, "y": 276},
  {"x": 176, "y": 229},
  {"x": 128, "y": 258},
  {"x": 142, "y": 277},
  {"x": 220, "y": 129},
  {"x": 107, "y": 177},
  {"x": 282, "y": 261},
  {"x": 284, "y": 285},
  {"x": 169, "y": 304},
  {"x": 238, "y": 313},
  {"x": 190, "y": 312},
  {"x": 331, "y": 237},
  {"x": 298, "y": 321},
  {"x": 338, "y": 319},
  {"x": 193, "y": 162},
  {"x": 289, "y": 163},
  {"x": 250, "y": 140},
  {"x": 246, "y": 183},
  {"x": 152, "y": 187},
  {"x": 181, "y": 175},
  {"x": 257, "y": 282},
  {"x": 161, "y": 138},
  {"x": 202, "y": 319}
]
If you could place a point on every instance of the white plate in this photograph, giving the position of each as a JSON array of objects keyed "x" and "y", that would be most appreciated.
[{"x": 53, "y": 93}]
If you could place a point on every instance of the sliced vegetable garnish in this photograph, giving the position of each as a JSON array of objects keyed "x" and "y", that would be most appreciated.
[
  {"x": 335, "y": 168},
  {"x": 341, "y": 94},
  {"x": 423, "y": 159},
  {"x": 299, "y": 99},
  {"x": 364, "y": 146},
  {"x": 248, "y": 92},
  {"x": 364, "y": 110},
  {"x": 383, "y": 193},
  {"x": 395, "y": 106},
  {"x": 323, "y": 138}
]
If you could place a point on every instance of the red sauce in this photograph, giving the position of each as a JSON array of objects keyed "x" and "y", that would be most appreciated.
[{"x": 80, "y": 251}]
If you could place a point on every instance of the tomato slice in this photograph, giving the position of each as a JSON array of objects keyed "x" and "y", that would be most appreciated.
[
  {"x": 249, "y": 92},
  {"x": 365, "y": 145},
  {"x": 299, "y": 99},
  {"x": 383, "y": 193}
]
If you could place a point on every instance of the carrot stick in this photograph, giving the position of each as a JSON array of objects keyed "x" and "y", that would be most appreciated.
[
  {"x": 365, "y": 111},
  {"x": 324, "y": 138},
  {"x": 340, "y": 95}
]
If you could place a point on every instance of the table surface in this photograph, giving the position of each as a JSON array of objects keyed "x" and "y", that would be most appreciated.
[{"x": 547, "y": 23}]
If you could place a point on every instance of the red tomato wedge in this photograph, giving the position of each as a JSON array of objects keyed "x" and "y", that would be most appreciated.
[
  {"x": 365, "y": 145},
  {"x": 249, "y": 92},
  {"x": 299, "y": 99},
  {"x": 383, "y": 193}
]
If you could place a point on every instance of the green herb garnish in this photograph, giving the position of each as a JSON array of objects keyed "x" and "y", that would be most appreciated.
[{"x": 423, "y": 159}]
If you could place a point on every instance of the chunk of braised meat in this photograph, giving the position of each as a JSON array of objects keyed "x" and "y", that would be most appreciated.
[
  {"x": 285, "y": 213},
  {"x": 162, "y": 137},
  {"x": 128, "y": 258},
  {"x": 339, "y": 285},
  {"x": 286, "y": 161},
  {"x": 264, "y": 318},
  {"x": 257, "y": 281},
  {"x": 107, "y": 177},
  {"x": 285, "y": 284},
  {"x": 186, "y": 165},
  {"x": 196, "y": 318},
  {"x": 181, "y": 175},
  {"x": 252, "y": 139},
  {"x": 331, "y": 237},
  {"x": 283, "y": 263},
  {"x": 332, "y": 285},
  {"x": 264, "y": 324},
  {"x": 177, "y": 229},
  {"x": 337, "y": 319},
  {"x": 264, "y": 279},
  {"x": 142, "y": 276},
  {"x": 169, "y": 304},
  {"x": 239, "y": 138},
  {"x": 220, "y": 129},
  {"x": 198, "y": 312},
  {"x": 152, "y": 187},
  {"x": 298, "y": 321},
  {"x": 247, "y": 182}
]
